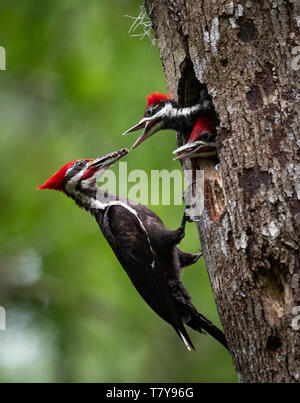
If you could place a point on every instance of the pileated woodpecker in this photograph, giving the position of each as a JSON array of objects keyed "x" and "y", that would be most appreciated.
[
  {"x": 162, "y": 112},
  {"x": 145, "y": 248}
]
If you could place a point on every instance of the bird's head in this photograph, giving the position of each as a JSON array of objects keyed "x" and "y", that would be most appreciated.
[
  {"x": 157, "y": 110},
  {"x": 84, "y": 172},
  {"x": 202, "y": 141}
]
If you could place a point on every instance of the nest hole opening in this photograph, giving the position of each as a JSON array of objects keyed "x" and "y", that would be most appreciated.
[{"x": 190, "y": 92}]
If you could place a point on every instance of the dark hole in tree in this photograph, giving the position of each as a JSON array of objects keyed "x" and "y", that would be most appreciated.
[
  {"x": 273, "y": 342},
  {"x": 189, "y": 92},
  {"x": 189, "y": 89}
]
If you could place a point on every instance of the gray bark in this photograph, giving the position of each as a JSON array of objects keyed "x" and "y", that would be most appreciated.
[{"x": 245, "y": 53}]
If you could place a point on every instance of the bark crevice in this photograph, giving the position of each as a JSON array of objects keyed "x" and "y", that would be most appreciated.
[{"x": 244, "y": 54}]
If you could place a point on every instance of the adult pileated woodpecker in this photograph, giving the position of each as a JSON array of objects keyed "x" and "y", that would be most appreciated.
[
  {"x": 162, "y": 112},
  {"x": 145, "y": 248}
]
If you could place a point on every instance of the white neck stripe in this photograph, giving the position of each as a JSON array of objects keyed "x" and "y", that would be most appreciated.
[
  {"x": 95, "y": 204},
  {"x": 170, "y": 111}
]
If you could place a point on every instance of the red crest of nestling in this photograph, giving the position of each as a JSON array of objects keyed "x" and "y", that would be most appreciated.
[
  {"x": 202, "y": 125},
  {"x": 56, "y": 181},
  {"x": 156, "y": 97}
]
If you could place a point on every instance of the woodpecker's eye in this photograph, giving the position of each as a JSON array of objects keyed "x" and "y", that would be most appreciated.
[
  {"x": 80, "y": 164},
  {"x": 149, "y": 111},
  {"x": 205, "y": 136}
]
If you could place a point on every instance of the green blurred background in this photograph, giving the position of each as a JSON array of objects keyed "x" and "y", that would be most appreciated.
[{"x": 74, "y": 81}]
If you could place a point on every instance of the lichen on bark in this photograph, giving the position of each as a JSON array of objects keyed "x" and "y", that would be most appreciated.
[{"x": 246, "y": 54}]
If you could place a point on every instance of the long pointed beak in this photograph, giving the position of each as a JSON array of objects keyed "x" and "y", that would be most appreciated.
[
  {"x": 109, "y": 159},
  {"x": 184, "y": 147},
  {"x": 151, "y": 127},
  {"x": 195, "y": 149},
  {"x": 142, "y": 123},
  {"x": 142, "y": 137}
]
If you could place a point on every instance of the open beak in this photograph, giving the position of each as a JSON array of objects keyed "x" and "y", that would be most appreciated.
[
  {"x": 138, "y": 126},
  {"x": 150, "y": 126},
  {"x": 108, "y": 159},
  {"x": 195, "y": 149}
]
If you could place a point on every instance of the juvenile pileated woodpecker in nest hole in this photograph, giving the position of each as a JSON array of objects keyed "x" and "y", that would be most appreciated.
[
  {"x": 145, "y": 248},
  {"x": 197, "y": 121}
]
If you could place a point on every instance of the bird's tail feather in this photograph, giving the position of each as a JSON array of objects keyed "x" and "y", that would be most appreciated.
[
  {"x": 182, "y": 333},
  {"x": 200, "y": 323}
]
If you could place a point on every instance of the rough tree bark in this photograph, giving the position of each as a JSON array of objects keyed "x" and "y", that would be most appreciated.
[{"x": 245, "y": 53}]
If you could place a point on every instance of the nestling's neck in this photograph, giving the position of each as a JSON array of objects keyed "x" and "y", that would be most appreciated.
[{"x": 181, "y": 119}]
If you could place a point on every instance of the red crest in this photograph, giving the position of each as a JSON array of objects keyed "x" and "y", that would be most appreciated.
[
  {"x": 156, "y": 97},
  {"x": 202, "y": 125},
  {"x": 56, "y": 181}
]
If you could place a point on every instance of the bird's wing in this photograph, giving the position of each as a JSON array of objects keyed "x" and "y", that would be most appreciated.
[{"x": 131, "y": 244}]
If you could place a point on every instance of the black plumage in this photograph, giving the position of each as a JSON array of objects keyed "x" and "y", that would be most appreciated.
[
  {"x": 146, "y": 249},
  {"x": 148, "y": 253}
]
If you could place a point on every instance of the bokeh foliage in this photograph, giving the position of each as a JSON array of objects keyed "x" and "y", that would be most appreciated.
[{"x": 75, "y": 80}]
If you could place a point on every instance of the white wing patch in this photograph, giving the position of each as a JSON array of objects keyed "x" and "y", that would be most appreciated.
[
  {"x": 118, "y": 203},
  {"x": 96, "y": 204}
]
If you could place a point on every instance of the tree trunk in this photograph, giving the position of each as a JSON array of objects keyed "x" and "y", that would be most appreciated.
[{"x": 247, "y": 55}]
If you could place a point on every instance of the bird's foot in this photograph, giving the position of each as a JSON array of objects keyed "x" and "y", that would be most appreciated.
[{"x": 197, "y": 257}]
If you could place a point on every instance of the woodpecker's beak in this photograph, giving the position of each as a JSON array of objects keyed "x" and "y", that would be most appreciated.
[
  {"x": 195, "y": 149},
  {"x": 150, "y": 126},
  {"x": 109, "y": 159},
  {"x": 138, "y": 126}
]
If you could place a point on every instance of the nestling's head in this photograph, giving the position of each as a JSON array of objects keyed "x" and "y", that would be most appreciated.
[
  {"x": 202, "y": 141},
  {"x": 157, "y": 109},
  {"x": 82, "y": 172}
]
